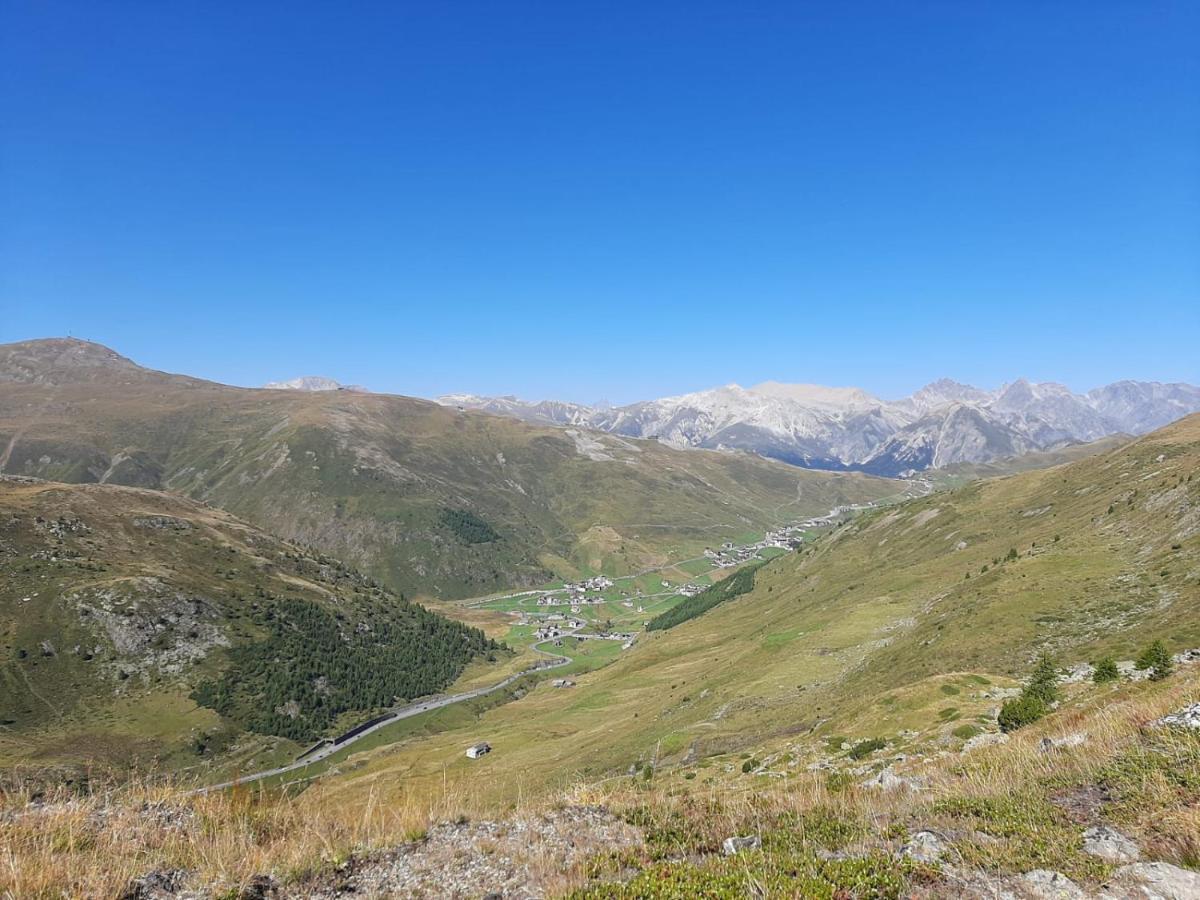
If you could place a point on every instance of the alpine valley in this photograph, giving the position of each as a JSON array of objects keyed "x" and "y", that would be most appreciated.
[{"x": 308, "y": 641}]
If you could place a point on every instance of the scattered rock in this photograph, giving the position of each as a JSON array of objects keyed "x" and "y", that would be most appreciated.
[
  {"x": 1077, "y": 739},
  {"x": 987, "y": 739},
  {"x": 924, "y": 847},
  {"x": 736, "y": 844},
  {"x": 156, "y": 885},
  {"x": 1109, "y": 844},
  {"x": 161, "y": 522},
  {"x": 1152, "y": 881},
  {"x": 887, "y": 780},
  {"x": 1187, "y": 657},
  {"x": 1077, "y": 674},
  {"x": 522, "y": 857},
  {"x": 1188, "y": 717},
  {"x": 1042, "y": 883},
  {"x": 1129, "y": 669}
]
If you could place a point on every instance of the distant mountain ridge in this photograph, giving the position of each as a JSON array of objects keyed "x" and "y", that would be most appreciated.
[
  {"x": 385, "y": 482},
  {"x": 312, "y": 383},
  {"x": 944, "y": 423}
]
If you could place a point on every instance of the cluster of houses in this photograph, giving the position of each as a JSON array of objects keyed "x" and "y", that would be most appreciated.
[
  {"x": 729, "y": 556},
  {"x": 549, "y": 630},
  {"x": 573, "y": 601},
  {"x": 575, "y": 593}
]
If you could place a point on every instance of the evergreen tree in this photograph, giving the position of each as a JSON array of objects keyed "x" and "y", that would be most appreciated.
[
  {"x": 1043, "y": 683},
  {"x": 1156, "y": 658},
  {"x": 1105, "y": 671},
  {"x": 1038, "y": 695}
]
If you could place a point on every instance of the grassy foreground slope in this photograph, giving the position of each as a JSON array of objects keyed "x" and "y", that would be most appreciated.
[
  {"x": 906, "y": 624},
  {"x": 997, "y": 812},
  {"x": 129, "y": 618},
  {"x": 429, "y": 500}
]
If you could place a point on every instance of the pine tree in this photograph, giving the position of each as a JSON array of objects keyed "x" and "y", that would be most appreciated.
[
  {"x": 1156, "y": 658},
  {"x": 1043, "y": 683},
  {"x": 1105, "y": 671}
]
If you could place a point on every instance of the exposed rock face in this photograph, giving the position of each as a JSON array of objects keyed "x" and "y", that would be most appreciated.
[
  {"x": 1109, "y": 844},
  {"x": 311, "y": 383},
  {"x": 150, "y": 625}
]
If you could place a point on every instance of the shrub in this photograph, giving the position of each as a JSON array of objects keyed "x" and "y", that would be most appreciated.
[
  {"x": 1105, "y": 671},
  {"x": 867, "y": 747},
  {"x": 1021, "y": 711},
  {"x": 1156, "y": 658},
  {"x": 749, "y": 766}
]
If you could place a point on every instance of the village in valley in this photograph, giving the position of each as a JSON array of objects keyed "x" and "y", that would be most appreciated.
[
  {"x": 586, "y": 624},
  {"x": 563, "y": 618}
]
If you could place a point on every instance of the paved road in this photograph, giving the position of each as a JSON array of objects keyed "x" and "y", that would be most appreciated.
[
  {"x": 553, "y": 661},
  {"x": 414, "y": 709}
]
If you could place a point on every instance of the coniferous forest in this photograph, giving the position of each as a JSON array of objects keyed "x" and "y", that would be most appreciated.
[{"x": 314, "y": 664}]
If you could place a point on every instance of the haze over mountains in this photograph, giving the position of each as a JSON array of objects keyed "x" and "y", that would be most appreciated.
[{"x": 818, "y": 427}]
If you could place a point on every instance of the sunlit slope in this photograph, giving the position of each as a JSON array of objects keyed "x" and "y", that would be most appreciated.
[
  {"x": 1107, "y": 556},
  {"x": 430, "y": 500},
  {"x": 117, "y": 603}
]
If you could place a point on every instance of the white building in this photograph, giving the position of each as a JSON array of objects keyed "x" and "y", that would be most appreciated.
[{"x": 477, "y": 750}]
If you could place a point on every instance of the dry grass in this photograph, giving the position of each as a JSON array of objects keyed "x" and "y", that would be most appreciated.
[
  {"x": 59, "y": 843},
  {"x": 1005, "y": 808}
]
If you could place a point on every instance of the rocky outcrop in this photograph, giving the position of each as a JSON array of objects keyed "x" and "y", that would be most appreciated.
[
  {"x": 526, "y": 856},
  {"x": 1110, "y": 845}
]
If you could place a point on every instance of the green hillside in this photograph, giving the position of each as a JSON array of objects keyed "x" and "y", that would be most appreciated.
[
  {"x": 430, "y": 500},
  {"x": 130, "y": 618},
  {"x": 901, "y": 625}
]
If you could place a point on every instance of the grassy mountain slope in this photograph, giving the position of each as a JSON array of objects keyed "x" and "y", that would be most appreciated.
[
  {"x": 875, "y": 631},
  {"x": 120, "y": 608},
  {"x": 996, "y": 812},
  {"x": 429, "y": 500}
]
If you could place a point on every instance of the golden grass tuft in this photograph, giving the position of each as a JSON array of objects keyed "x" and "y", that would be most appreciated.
[{"x": 61, "y": 843}]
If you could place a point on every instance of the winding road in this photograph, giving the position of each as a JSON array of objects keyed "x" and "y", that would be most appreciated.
[
  {"x": 404, "y": 712},
  {"x": 431, "y": 703}
]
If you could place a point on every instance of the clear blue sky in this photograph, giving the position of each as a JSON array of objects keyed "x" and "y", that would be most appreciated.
[{"x": 617, "y": 200}]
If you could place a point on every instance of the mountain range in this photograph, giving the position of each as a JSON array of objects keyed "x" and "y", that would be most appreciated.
[
  {"x": 430, "y": 500},
  {"x": 839, "y": 428}
]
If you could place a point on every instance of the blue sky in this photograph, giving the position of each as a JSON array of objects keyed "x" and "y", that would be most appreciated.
[{"x": 607, "y": 200}]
